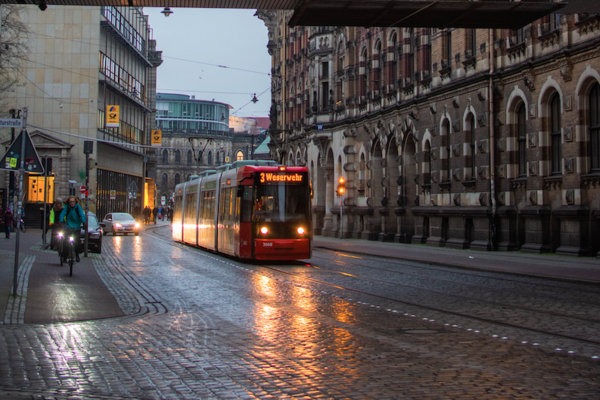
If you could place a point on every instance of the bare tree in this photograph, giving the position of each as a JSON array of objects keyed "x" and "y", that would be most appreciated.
[{"x": 13, "y": 46}]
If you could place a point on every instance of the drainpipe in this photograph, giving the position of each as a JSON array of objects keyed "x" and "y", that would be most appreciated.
[{"x": 492, "y": 138}]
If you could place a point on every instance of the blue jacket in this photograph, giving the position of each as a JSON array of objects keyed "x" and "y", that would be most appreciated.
[{"x": 73, "y": 216}]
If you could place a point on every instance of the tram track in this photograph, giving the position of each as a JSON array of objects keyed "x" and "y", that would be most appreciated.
[
  {"x": 489, "y": 287},
  {"x": 492, "y": 275},
  {"x": 255, "y": 267},
  {"x": 435, "y": 309}
]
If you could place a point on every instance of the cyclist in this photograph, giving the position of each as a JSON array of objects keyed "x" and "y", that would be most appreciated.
[
  {"x": 73, "y": 216},
  {"x": 54, "y": 221}
]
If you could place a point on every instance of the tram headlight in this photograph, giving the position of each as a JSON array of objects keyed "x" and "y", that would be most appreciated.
[
  {"x": 264, "y": 230},
  {"x": 71, "y": 239},
  {"x": 60, "y": 235},
  {"x": 301, "y": 231}
]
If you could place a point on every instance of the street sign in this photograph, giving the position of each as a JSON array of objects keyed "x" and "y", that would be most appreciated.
[
  {"x": 11, "y": 123},
  {"x": 112, "y": 116},
  {"x": 82, "y": 189},
  {"x": 113, "y": 194},
  {"x": 12, "y": 159},
  {"x": 132, "y": 187},
  {"x": 156, "y": 138},
  {"x": 132, "y": 195}
]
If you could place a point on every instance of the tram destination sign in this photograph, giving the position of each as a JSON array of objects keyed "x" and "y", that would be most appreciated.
[{"x": 293, "y": 178}]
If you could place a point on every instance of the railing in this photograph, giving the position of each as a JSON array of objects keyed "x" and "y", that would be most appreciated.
[{"x": 123, "y": 26}]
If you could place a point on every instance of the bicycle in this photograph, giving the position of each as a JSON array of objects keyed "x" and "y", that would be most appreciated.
[
  {"x": 22, "y": 226},
  {"x": 70, "y": 258}
]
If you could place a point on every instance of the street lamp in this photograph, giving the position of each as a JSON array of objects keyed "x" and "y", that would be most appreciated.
[
  {"x": 254, "y": 99},
  {"x": 167, "y": 11}
]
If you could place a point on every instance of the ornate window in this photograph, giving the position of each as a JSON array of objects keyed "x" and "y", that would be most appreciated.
[
  {"x": 165, "y": 157},
  {"x": 362, "y": 79},
  {"x": 189, "y": 157},
  {"x": 378, "y": 68},
  {"x": 427, "y": 162},
  {"x": 239, "y": 155},
  {"x": 177, "y": 179},
  {"x": 165, "y": 180},
  {"x": 471, "y": 134},
  {"x": 595, "y": 127},
  {"x": 522, "y": 139},
  {"x": 177, "y": 157},
  {"x": 555, "y": 134},
  {"x": 210, "y": 162}
]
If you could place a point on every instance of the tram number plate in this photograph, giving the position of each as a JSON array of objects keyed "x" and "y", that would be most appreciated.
[{"x": 267, "y": 244}]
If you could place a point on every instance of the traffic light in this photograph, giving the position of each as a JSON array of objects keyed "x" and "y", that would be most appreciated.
[{"x": 341, "y": 188}]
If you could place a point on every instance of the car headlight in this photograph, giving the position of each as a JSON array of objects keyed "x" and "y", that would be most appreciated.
[
  {"x": 137, "y": 225},
  {"x": 119, "y": 226}
]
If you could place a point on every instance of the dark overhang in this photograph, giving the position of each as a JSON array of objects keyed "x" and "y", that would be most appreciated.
[
  {"x": 490, "y": 14},
  {"x": 500, "y": 14}
]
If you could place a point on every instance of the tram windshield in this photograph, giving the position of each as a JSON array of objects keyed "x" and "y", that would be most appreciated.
[{"x": 279, "y": 203}]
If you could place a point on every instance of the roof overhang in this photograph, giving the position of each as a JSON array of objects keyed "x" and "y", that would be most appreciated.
[
  {"x": 487, "y": 14},
  {"x": 500, "y": 14}
]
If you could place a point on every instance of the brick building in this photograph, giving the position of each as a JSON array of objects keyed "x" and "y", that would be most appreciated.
[{"x": 480, "y": 139}]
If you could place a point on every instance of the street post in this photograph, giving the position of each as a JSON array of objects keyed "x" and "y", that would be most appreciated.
[{"x": 88, "y": 148}]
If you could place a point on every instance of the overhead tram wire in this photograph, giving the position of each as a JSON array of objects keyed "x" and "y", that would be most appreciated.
[
  {"x": 260, "y": 94},
  {"x": 141, "y": 146}
]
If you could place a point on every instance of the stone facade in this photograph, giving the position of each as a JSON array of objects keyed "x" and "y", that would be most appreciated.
[{"x": 470, "y": 139}]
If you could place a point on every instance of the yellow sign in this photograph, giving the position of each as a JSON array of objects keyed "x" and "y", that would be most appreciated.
[
  {"x": 227, "y": 159},
  {"x": 13, "y": 162},
  {"x": 112, "y": 116},
  {"x": 156, "y": 138},
  {"x": 269, "y": 177}
]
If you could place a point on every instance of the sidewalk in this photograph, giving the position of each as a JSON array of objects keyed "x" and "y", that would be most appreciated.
[
  {"x": 582, "y": 269},
  {"x": 46, "y": 292}
]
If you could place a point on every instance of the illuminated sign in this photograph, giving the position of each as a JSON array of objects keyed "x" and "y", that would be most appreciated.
[
  {"x": 112, "y": 116},
  {"x": 268, "y": 177}
]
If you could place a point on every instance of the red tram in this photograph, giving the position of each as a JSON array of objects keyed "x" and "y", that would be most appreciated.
[{"x": 249, "y": 209}]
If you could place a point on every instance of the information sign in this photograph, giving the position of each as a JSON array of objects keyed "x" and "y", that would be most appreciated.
[
  {"x": 113, "y": 194},
  {"x": 156, "y": 138},
  {"x": 112, "y": 116}
]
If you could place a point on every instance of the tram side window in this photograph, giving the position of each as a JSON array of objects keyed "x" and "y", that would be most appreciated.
[
  {"x": 209, "y": 205},
  {"x": 178, "y": 210},
  {"x": 190, "y": 208},
  {"x": 247, "y": 201},
  {"x": 228, "y": 204}
]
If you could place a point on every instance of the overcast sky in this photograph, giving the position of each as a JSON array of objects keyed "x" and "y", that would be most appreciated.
[{"x": 211, "y": 37}]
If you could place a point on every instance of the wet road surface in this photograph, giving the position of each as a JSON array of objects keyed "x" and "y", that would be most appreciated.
[{"x": 200, "y": 325}]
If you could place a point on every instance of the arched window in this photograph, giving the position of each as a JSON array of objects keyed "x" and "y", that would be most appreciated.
[
  {"x": 378, "y": 68},
  {"x": 427, "y": 162},
  {"x": 446, "y": 129},
  {"x": 189, "y": 157},
  {"x": 522, "y": 139},
  {"x": 393, "y": 73},
  {"x": 177, "y": 179},
  {"x": 239, "y": 156},
  {"x": 210, "y": 158},
  {"x": 555, "y": 135},
  {"x": 165, "y": 180},
  {"x": 217, "y": 158},
  {"x": 410, "y": 56},
  {"x": 471, "y": 137},
  {"x": 362, "y": 79},
  {"x": 165, "y": 157},
  {"x": 595, "y": 127},
  {"x": 177, "y": 157}
]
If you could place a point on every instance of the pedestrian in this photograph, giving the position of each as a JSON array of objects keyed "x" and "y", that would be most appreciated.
[
  {"x": 154, "y": 213},
  {"x": 73, "y": 216},
  {"x": 9, "y": 220},
  {"x": 171, "y": 214}
]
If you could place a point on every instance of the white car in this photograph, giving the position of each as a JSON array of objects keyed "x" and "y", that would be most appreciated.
[{"x": 120, "y": 223}]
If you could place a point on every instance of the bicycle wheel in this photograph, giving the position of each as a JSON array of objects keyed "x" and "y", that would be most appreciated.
[{"x": 71, "y": 259}]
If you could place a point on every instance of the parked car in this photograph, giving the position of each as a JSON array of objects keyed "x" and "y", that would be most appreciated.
[
  {"x": 94, "y": 234},
  {"x": 120, "y": 222}
]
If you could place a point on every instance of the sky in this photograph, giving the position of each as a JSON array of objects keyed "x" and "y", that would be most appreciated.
[{"x": 210, "y": 38}]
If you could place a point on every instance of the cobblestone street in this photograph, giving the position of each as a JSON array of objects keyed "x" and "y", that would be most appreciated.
[{"x": 198, "y": 325}]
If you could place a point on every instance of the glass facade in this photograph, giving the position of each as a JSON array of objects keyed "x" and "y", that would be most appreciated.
[
  {"x": 176, "y": 112},
  {"x": 119, "y": 182}
]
